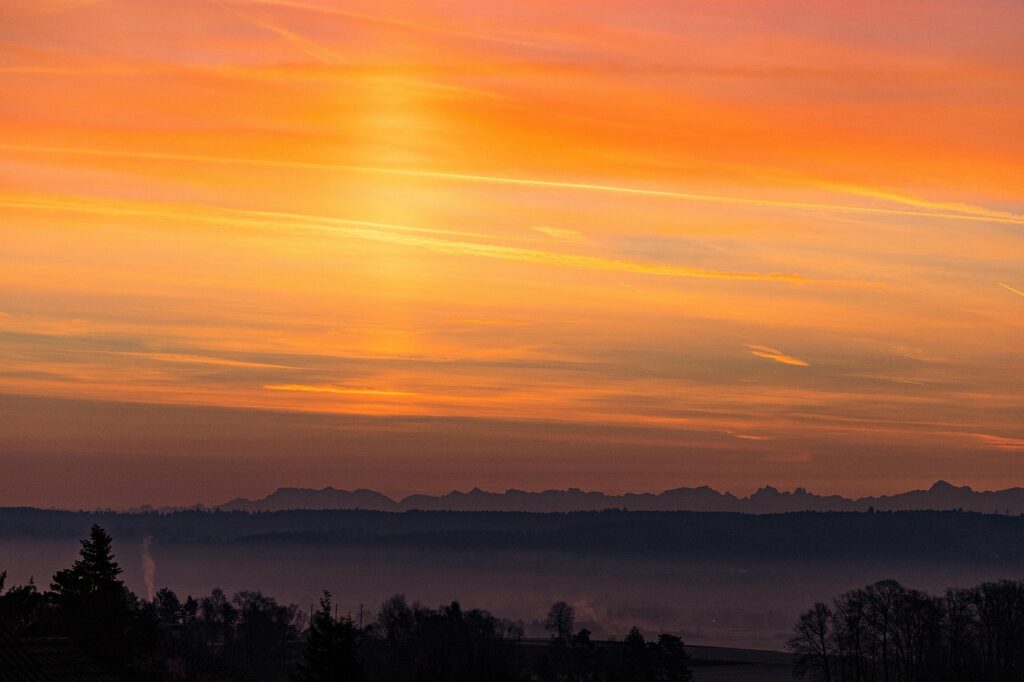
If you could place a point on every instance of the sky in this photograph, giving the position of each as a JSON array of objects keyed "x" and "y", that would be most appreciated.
[{"x": 444, "y": 244}]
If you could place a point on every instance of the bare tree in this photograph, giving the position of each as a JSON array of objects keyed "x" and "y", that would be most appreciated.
[
  {"x": 814, "y": 643},
  {"x": 561, "y": 621}
]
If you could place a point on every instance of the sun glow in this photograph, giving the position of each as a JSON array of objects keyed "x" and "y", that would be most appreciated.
[{"x": 709, "y": 233}]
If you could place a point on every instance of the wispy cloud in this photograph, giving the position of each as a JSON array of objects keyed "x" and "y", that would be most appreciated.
[
  {"x": 918, "y": 202},
  {"x": 458, "y": 210},
  {"x": 537, "y": 183},
  {"x": 340, "y": 390},
  {"x": 748, "y": 436},
  {"x": 392, "y": 233},
  {"x": 1001, "y": 442},
  {"x": 560, "y": 233},
  {"x": 308, "y": 47},
  {"x": 769, "y": 353},
  {"x": 202, "y": 360},
  {"x": 419, "y": 26}
]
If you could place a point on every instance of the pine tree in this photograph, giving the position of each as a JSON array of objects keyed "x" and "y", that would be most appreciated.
[
  {"x": 93, "y": 605},
  {"x": 331, "y": 652},
  {"x": 94, "y": 573}
]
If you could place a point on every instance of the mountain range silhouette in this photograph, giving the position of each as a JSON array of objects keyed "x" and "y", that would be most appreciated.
[{"x": 940, "y": 496}]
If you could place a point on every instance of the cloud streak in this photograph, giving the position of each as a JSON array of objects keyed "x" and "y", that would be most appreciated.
[
  {"x": 402, "y": 235},
  {"x": 1009, "y": 288},
  {"x": 968, "y": 214},
  {"x": 340, "y": 390},
  {"x": 201, "y": 360},
  {"x": 467, "y": 212},
  {"x": 776, "y": 355},
  {"x": 1001, "y": 442}
]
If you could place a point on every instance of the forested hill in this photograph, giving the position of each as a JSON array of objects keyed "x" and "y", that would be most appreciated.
[
  {"x": 924, "y": 534},
  {"x": 767, "y": 500}
]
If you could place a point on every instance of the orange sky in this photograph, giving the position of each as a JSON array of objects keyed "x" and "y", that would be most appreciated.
[{"x": 417, "y": 246}]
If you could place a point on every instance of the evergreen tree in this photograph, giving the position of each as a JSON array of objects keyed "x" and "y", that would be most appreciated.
[
  {"x": 90, "y": 593},
  {"x": 94, "y": 608},
  {"x": 331, "y": 652},
  {"x": 94, "y": 574}
]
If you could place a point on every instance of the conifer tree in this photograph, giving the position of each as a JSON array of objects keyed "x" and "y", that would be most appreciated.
[
  {"x": 331, "y": 652},
  {"x": 95, "y": 573},
  {"x": 93, "y": 606}
]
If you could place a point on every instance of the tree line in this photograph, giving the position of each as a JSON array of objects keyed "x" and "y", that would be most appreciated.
[
  {"x": 886, "y": 632},
  {"x": 251, "y": 637},
  {"x": 855, "y": 536}
]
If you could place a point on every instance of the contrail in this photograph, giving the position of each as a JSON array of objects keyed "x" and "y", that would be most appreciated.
[
  {"x": 530, "y": 182},
  {"x": 906, "y": 200},
  {"x": 1016, "y": 291}
]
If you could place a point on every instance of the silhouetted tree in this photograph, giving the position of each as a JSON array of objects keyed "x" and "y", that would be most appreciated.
[
  {"x": 636, "y": 658},
  {"x": 560, "y": 621},
  {"x": 885, "y": 632},
  {"x": 22, "y": 606},
  {"x": 670, "y": 660},
  {"x": 263, "y": 633},
  {"x": 189, "y": 610},
  {"x": 92, "y": 604},
  {"x": 559, "y": 661},
  {"x": 448, "y": 644},
  {"x": 331, "y": 652},
  {"x": 94, "y": 576},
  {"x": 168, "y": 606},
  {"x": 396, "y": 620},
  {"x": 1000, "y": 626},
  {"x": 958, "y": 634},
  {"x": 453, "y": 645},
  {"x": 583, "y": 656},
  {"x": 814, "y": 643},
  {"x": 218, "y": 617}
]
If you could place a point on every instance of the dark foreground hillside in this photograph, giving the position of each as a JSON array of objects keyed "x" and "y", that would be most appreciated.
[
  {"x": 88, "y": 625},
  {"x": 726, "y": 579}
]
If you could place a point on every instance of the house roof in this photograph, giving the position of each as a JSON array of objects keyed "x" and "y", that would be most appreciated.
[{"x": 47, "y": 659}]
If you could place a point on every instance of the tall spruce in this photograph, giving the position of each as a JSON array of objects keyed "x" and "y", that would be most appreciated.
[
  {"x": 94, "y": 573},
  {"x": 332, "y": 649},
  {"x": 94, "y": 607}
]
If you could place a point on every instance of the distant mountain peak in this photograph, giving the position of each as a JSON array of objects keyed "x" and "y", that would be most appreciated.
[
  {"x": 942, "y": 495},
  {"x": 944, "y": 486}
]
